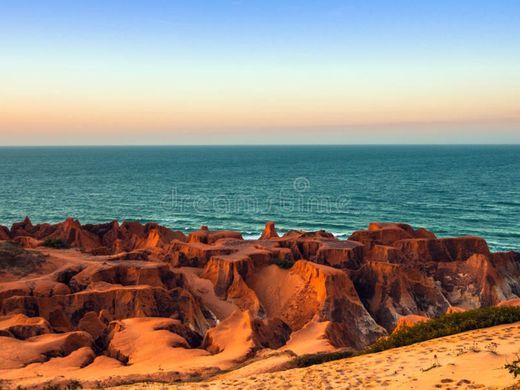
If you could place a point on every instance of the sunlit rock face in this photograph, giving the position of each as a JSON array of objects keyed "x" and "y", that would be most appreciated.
[{"x": 141, "y": 298}]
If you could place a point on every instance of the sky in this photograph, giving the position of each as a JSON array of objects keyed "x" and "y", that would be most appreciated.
[{"x": 94, "y": 72}]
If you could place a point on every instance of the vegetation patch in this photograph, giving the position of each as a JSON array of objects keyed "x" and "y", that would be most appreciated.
[
  {"x": 18, "y": 261},
  {"x": 312, "y": 359},
  {"x": 284, "y": 264},
  {"x": 446, "y": 325},
  {"x": 72, "y": 385},
  {"x": 514, "y": 367},
  {"x": 56, "y": 244}
]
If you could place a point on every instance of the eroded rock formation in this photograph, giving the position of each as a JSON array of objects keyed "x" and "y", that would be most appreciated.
[{"x": 137, "y": 297}]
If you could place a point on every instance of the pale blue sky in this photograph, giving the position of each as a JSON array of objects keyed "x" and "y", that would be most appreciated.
[{"x": 152, "y": 72}]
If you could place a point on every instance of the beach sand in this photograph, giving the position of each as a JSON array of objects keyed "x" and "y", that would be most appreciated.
[{"x": 470, "y": 360}]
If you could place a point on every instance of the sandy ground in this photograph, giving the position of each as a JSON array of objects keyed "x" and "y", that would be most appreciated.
[{"x": 469, "y": 360}]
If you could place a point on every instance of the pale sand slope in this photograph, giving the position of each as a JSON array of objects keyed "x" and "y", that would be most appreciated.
[{"x": 461, "y": 361}]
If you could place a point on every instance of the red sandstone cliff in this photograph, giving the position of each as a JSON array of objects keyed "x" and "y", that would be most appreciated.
[{"x": 221, "y": 299}]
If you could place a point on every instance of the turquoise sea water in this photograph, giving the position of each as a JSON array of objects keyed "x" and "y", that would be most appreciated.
[{"x": 452, "y": 190}]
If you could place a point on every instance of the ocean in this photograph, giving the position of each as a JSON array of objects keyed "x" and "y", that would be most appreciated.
[{"x": 451, "y": 190}]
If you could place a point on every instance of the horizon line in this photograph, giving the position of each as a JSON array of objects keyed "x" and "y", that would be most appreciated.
[{"x": 247, "y": 145}]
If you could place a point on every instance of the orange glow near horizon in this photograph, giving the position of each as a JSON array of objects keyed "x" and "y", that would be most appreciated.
[
  {"x": 94, "y": 117},
  {"x": 121, "y": 78}
]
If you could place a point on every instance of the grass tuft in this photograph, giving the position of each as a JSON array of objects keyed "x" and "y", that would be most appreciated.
[{"x": 514, "y": 367}]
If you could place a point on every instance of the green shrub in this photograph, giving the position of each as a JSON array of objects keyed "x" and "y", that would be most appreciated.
[
  {"x": 74, "y": 385},
  {"x": 57, "y": 244},
  {"x": 312, "y": 359},
  {"x": 285, "y": 264},
  {"x": 514, "y": 368},
  {"x": 446, "y": 325},
  {"x": 52, "y": 387}
]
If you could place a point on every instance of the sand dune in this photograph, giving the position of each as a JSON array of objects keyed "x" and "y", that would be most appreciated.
[{"x": 467, "y": 360}]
